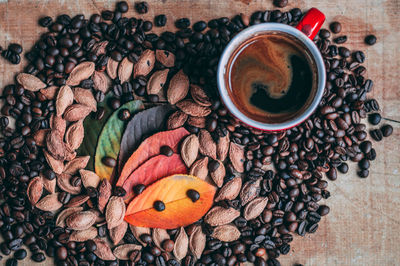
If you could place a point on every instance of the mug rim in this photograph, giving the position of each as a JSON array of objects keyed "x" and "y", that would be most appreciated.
[{"x": 254, "y": 31}]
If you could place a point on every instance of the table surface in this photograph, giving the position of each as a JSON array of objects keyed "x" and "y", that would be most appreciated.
[{"x": 364, "y": 223}]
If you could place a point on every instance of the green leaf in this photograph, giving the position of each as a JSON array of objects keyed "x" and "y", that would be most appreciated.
[{"x": 108, "y": 143}]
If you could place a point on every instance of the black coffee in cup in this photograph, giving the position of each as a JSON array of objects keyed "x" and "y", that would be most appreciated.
[{"x": 271, "y": 78}]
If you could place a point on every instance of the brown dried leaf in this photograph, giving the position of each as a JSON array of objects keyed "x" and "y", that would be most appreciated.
[
  {"x": 83, "y": 235},
  {"x": 226, "y": 233},
  {"x": 177, "y": 119},
  {"x": 115, "y": 212},
  {"x": 200, "y": 168},
  {"x": 103, "y": 250},
  {"x": 157, "y": 81},
  {"x": 112, "y": 68},
  {"x": 199, "y": 95},
  {"x": 219, "y": 215},
  {"x": 223, "y": 147},
  {"x": 254, "y": 208},
  {"x": 56, "y": 165},
  {"x": 219, "y": 174},
  {"x": 123, "y": 251},
  {"x": 199, "y": 122},
  {"x": 118, "y": 232},
  {"x": 57, "y": 123},
  {"x": 74, "y": 135},
  {"x": 49, "y": 203},
  {"x": 125, "y": 70},
  {"x": 207, "y": 145},
  {"x": 191, "y": 108},
  {"x": 250, "y": 191},
  {"x": 89, "y": 178},
  {"x": 236, "y": 155},
  {"x": 76, "y": 112},
  {"x": 166, "y": 58},
  {"x": 80, "y": 220},
  {"x": 77, "y": 201},
  {"x": 145, "y": 63},
  {"x": 230, "y": 190},
  {"x": 55, "y": 145},
  {"x": 81, "y": 72},
  {"x": 34, "y": 190},
  {"x": 65, "y": 98},
  {"x": 178, "y": 87},
  {"x": 49, "y": 185},
  {"x": 181, "y": 244},
  {"x": 60, "y": 221},
  {"x": 40, "y": 137},
  {"x": 64, "y": 183},
  {"x": 30, "y": 82},
  {"x": 49, "y": 92},
  {"x": 138, "y": 231},
  {"x": 197, "y": 241},
  {"x": 100, "y": 81},
  {"x": 72, "y": 167},
  {"x": 190, "y": 149},
  {"x": 104, "y": 194},
  {"x": 159, "y": 236},
  {"x": 85, "y": 97}
]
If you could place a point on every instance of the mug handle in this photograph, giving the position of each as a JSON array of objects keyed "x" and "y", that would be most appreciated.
[{"x": 311, "y": 23}]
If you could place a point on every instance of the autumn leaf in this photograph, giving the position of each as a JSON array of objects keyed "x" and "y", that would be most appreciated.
[
  {"x": 109, "y": 140},
  {"x": 179, "y": 210},
  {"x": 150, "y": 147},
  {"x": 152, "y": 170}
]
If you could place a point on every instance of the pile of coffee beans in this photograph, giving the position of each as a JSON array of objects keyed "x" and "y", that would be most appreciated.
[
  {"x": 12, "y": 53},
  {"x": 290, "y": 165}
]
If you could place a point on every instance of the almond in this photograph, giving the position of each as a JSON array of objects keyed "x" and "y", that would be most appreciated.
[
  {"x": 100, "y": 81},
  {"x": 122, "y": 252},
  {"x": 219, "y": 174},
  {"x": 254, "y": 208},
  {"x": 115, "y": 212},
  {"x": 49, "y": 92},
  {"x": 200, "y": 168},
  {"x": 34, "y": 190},
  {"x": 104, "y": 194},
  {"x": 199, "y": 122},
  {"x": 65, "y": 98},
  {"x": 236, "y": 155},
  {"x": 176, "y": 120},
  {"x": 74, "y": 135},
  {"x": 226, "y": 233},
  {"x": 103, "y": 250},
  {"x": 230, "y": 190},
  {"x": 89, "y": 178},
  {"x": 69, "y": 153},
  {"x": 85, "y": 97},
  {"x": 76, "y": 112},
  {"x": 159, "y": 236},
  {"x": 49, "y": 185},
  {"x": 157, "y": 81},
  {"x": 166, "y": 58},
  {"x": 83, "y": 235},
  {"x": 219, "y": 215},
  {"x": 49, "y": 203},
  {"x": 100, "y": 48},
  {"x": 223, "y": 147},
  {"x": 60, "y": 221},
  {"x": 181, "y": 244},
  {"x": 64, "y": 183},
  {"x": 56, "y": 165},
  {"x": 178, "y": 87},
  {"x": 80, "y": 220},
  {"x": 190, "y": 149},
  {"x": 199, "y": 95},
  {"x": 125, "y": 70},
  {"x": 118, "y": 232},
  {"x": 57, "y": 123},
  {"x": 81, "y": 72},
  {"x": 77, "y": 201},
  {"x": 72, "y": 167},
  {"x": 138, "y": 231},
  {"x": 197, "y": 241},
  {"x": 112, "y": 68},
  {"x": 30, "y": 82},
  {"x": 207, "y": 145},
  {"x": 191, "y": 108},
  {"x": 145, "y": 64},
  {"x": 55, "y": 145},
  {"x": 250, "y": 191},
  {"x": 40, "y": 137}
]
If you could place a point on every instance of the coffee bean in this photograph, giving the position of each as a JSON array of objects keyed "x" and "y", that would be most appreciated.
[
  {"x": 374, "y": 118},
  {"x": 168, "y": 245},
  {"x": 11, "y": 262},
  {"x": 335, "y": 27},
  {"x": 138, "y": 189},
  {"x": 142, "y": 7},
  {"x": 115, "y": 104},
  {"x": 182, "y": 23},
  {"x": 359, "y": 56},
  {"x": 119, "y": 191},
  {"x": 193, "y": 195},
  {"x": 146, "y": 238},
  {"x": 124, "y": 114},
  {"x": 15, "y": 48},
  {"x": 159, "y": 205},
  {"x": 213, "y": 165},
  {"x": 122, "y": 6},
  {"x": 108, "y": 161},
  {"x": 64, "y": 197},
  {"x": 386, "y": 130},
  {"x": 376, "y": 134},
  {"x": 370, "y": 39},
  {"x": 45, "y": 21},
  {"x": 340, "y": 39},
  {"x": 20, "y": 254},
  {"x": 61, "y": 253},
  {"x": 160, "y": 20},
  {"x": 363, "y": 173},
  {"x": 167, "y": 151}
]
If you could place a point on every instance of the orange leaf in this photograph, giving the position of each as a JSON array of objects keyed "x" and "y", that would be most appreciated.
[
  {"x": 152, "y": 170},
  {"x": 179, "y": 209},
  {"x": 150, "y": 147}
]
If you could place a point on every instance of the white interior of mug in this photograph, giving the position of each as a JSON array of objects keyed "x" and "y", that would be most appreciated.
[{"x": 262, "y": 29}]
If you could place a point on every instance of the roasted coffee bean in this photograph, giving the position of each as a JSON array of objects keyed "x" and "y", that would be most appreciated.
[
  {"x": 119, "y": 191},
  {"x": 281, "y": 3},
  {"x": 64, "y": 197},
  {"x": 142, "y": 7},
  {"x": 374, "y": 118},
  {"x": 343, "y": 168},
  {"x": 122, "y": 6},
  {"x": 386, "y": 130},
  {"x": 166, "y": 150},
  {"x": 138, "y": 189},
  {"x": 45, "y": 21},
  {"x": 108, "y": 161},
  {"x": 193, "y": 195},
  {"x": 376, "y": 134},
  {"x": 370, "y": 39},
  {"x": 15, "y": 48},
  {"x": 124, "y": 114},
  {"x": 335, "y": 27},
  {"x": 160, "y": 20},
  {"x": 159, "y": 205},
  {"x": 146, "y": 238},
  {"x": 213, "y": 165},
  {"x": 340, "y": 39},
  {"x": 168, "y": 245}
]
